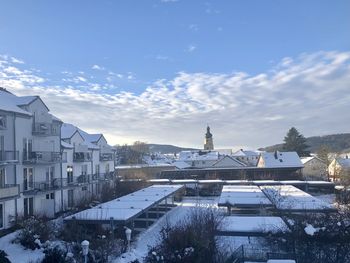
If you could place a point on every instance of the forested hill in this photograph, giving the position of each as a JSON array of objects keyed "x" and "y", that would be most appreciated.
[
  {"x": 335, "y": 142},
  {"x": 166, "y": 148}
]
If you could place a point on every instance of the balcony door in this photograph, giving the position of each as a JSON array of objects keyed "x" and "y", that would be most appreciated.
[
  {"x": 1, "y": 216},
  {"x": 50, "y": 174},
  {"x": 2, "y": 148},
  {"x": 70, "y": 174},
  {"x": 27, "y": 148},
  {"x": 28, "y": 205},
  {"x": 2, "y": 177},
  {"x": 28, "y": 179}
]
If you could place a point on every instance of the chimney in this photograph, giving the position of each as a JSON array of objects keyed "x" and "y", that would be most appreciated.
[
  {"x": 346, "y": 157},
  {"x": 276, "y": 155}
]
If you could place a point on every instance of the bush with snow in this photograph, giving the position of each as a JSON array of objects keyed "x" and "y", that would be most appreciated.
[
  {"x": 3, "y": 257},
  {"x": 190, "y": 241}
]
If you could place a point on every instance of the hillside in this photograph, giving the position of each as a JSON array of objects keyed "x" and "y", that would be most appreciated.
[
  {"x": 336, "y": 143},
  {"x": 167, "y": 148}
]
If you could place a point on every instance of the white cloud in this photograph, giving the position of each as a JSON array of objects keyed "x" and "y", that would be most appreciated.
[
  {"x": 311, "y": 92},
  {"x": 193, "y": 27},
  {"x": 17, "y": 61},
  {"x": 191, "y": 48},
  {"x": 97, "y": 67}
]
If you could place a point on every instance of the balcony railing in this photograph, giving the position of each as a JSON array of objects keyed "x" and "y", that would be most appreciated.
[
  {"x": 43, "y": 157},
  {"x": 42, "y": 186},
  {"x": 46, "y": 129},
  {"x": 9, "y": 156},
  {"x": 9, "y": 191},
  {"x": 106, "y": 157},
  {"x": 82, "y": 157}
]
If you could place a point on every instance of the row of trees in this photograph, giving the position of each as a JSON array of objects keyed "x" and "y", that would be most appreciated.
[{"x": 132, "y": 154}]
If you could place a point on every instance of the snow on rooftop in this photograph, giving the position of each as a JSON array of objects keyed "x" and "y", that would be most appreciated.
[
  {"x": 253, "y": 224},
  {"x": 198, "y": 155},
  {"x": 241, "y": 195},
  {"x": 280, "y": 159},
  {"x": 344, "y": 162},
  {"x": 288, "y": 197},
  {"x": 10, "y": 102},
  {"x": 128, "y": 206},
  {"x": 244, "y": 153}
]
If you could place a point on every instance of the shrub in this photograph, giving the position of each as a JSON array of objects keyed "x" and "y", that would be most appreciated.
[
  {"x": 3, "y": 257},
  {"x": 34, "y": 231},
  {"x": 191, "y": 241},
  {"x": 54, "y": 255}
]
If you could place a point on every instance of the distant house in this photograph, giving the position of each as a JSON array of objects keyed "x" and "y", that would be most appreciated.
[
  {"x": 228, "y": 161},
  {"x": 314, "y": 168},
  {"x": 248, "y": 157},
  {"x": 338, "y": 167},
  {"x": 199, "y": 159},
  {"x": 279, "y": 160}
]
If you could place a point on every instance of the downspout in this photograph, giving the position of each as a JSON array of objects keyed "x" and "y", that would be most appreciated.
[
  {"x": 61, "y": 171},
  {"x": 15, "y": 166}
]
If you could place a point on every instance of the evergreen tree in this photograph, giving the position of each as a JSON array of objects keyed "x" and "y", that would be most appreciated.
[{"x": 294, "y": 141}]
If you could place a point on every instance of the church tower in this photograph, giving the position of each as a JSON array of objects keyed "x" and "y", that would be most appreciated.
[{"x": 208, "y": 141}]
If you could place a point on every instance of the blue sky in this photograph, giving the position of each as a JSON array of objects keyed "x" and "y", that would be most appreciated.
[{"x": 135, "y": 50}]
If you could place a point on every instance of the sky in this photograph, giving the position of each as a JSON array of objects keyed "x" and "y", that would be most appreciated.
[{"x": 159, "y": 71}]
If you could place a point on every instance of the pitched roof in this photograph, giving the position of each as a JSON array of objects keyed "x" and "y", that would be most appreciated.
[
  {"x": 231, "y": 161},
  {"x": 242, "y": 152},
  {"x": 344, "y": 162},
  {"x": 10, "y": 102},
  {"x": 280, "y": 159},
  {"x": 305, "y": 160}
]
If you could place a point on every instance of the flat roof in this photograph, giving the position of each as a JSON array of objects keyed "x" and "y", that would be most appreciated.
[
  {"x": 243, "y": 195},
  {"x": 126, "y": 207},
  {"x": 288, "y": 197},
  {"x": 252, "y": 225}
]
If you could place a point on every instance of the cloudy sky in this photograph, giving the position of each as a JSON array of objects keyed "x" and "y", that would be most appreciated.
[{"x": 160, "y": 70}]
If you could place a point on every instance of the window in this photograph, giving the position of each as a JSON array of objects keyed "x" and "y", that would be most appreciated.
[
  {"x": 28, "y": 179},
  {"x": 2, "y": 177},
  {"x": 1, "y": 216},
  {"x": 69, "y": 173},
  {"x": 28, "y": 206},
  {"x": 70, "y": 198},
  {"x": 2, "y": 122}
]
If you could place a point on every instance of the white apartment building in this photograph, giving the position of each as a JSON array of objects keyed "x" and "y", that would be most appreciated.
[
  {"x": 30, "y": 158},
  {"x": 42, "y": 172},
  {"x": 90, "y": 164}
]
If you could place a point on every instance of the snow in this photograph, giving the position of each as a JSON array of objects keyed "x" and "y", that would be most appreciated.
[
  {"x": 310, "y": 230},
  {"x": 288, "y": 197},
  {"x": 151, "y": 237},
  {"x": 237, "y": 195},
  {"x": 16, "y": 252},
  {"x": 253, "y": 224},
  {"x": 128, "y": 206},
  {"x": 10, "y": 102},
  {"x": 284, "y": 159},
  {"x": 280, "y": 261},
  {"x": 198, "y": 155}
]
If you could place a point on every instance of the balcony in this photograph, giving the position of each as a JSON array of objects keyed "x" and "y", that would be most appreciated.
[
  {"x": 45, "y": 129},
  {"x": 9, "y": 191},
  {"x": 43, "y": 157},
  {"x": 42, "y": 186},
  {"x": 106, "y": 176},
  {"x": 82, "y": 157},
  {"x": 9, "y": 157},
  {"x": 106, "y": 157}
]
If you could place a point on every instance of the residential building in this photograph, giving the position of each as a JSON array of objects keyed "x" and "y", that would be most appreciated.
[
  {"x": 279, "y": 160},
  {"x": 338, "y": 168},
  {"x": 250, "y": 158},
  {"x": 30, "y": 158},
  {"x": 314, "y": 168}
]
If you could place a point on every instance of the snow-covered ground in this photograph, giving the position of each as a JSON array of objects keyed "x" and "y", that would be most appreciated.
[
  {"x": 150, "y": 237},
  {"x": 17, "y": 253}
]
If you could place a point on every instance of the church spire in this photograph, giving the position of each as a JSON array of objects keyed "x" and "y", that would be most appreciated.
[{"x": 208, "y": 141}]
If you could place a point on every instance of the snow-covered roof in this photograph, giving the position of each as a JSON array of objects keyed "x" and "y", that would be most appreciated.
[
  {"x": 304, "y": 160},
  {"x": 280, "y": 159},
  {"x": 228, "y": 161},
  {"x": 66, "y": 145},
  {"x": 253, "y": 224},
  {"x": 242, "y": 195},
  {"x": 288, "y": 197},
  {"x": 126, "y": 207},
  {"x": 198, "y": 155},
  {"x": 246, "y": 153},
  {"x": 90, "y": 137},
  {"x": 344, "y": 162},
  {"x": 181, "y": 164},
  {"x": 68, "y": 130},
  {"x": 10, "y": 102}
]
